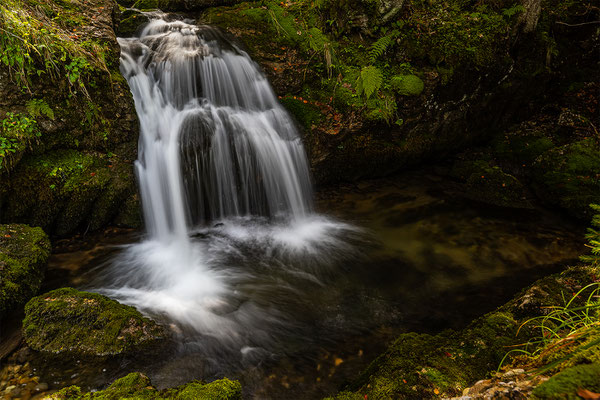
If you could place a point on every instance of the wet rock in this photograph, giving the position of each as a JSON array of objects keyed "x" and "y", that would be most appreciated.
[
  {"x": 512, "y": 385},
  {"x": 67, "y": 321}
]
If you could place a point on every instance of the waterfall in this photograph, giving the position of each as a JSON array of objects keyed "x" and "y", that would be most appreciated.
[
  {"x": 214, "y": 141},
  {"x": 232, "y": 238}
]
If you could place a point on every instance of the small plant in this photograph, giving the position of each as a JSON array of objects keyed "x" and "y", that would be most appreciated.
[
  {"x": 38, "y": 107},
  {"x": 16, "y": 132},
  {"x": 369, "y": 81},
  {"x": 381, "y": 45},
  {"x": 564, "y": 328},
  {"x": 593, "y": 237}
]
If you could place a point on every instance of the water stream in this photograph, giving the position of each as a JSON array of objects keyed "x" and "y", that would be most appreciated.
[
  {"x": 253, "y": 283},
  {"x": 227, "y": 198}
]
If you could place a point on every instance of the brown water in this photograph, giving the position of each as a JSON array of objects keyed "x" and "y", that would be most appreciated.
[{"x": 427, "y": 260}]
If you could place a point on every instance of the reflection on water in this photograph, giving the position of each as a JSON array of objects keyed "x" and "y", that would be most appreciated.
[{"x": 294, "y": 312}]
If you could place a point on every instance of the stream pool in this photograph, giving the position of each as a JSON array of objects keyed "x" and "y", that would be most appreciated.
[{"x": 306, "y": 308}]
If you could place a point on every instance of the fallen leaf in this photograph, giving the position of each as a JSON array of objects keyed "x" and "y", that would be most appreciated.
[{"x": 587, "y": 395}]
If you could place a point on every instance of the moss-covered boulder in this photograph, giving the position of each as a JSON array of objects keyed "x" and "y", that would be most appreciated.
[
  {"x": 427, "y": 366},
  {"x": 68, "y": 190},
  {"x": 23, "y": 255},
  {"x": 81, "y": 323},
  {"x": 488, "y": 183},
  {"x": 138, "y": 386}
]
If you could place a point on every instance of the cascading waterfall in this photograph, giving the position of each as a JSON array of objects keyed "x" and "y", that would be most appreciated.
[
  {"x": 232, "y": 239},
  {"x": 215, "y": 143}
]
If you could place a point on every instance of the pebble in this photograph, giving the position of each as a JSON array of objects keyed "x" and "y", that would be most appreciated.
[{"x": 41, "y": 387}]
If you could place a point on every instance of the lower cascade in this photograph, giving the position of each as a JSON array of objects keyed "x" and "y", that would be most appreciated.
[{"x": 232, "y": 238}]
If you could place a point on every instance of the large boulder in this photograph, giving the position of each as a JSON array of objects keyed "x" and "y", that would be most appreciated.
[
  {"x": 67, "y": 321},
  {"x": 23, "y": 255}
]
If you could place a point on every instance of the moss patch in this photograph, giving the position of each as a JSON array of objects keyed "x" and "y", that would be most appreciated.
[
  {"x": 81, "y": 323},
  {"x": 138, "y": 386},
  {"x": 427, "y": 366},
  {"x": 566, "y": 384},
  {"x": 488, "y": 183},
  {"x": 67, "y": 190},
  {"x": 23, "y": 255},
  {"x": 407, "y": 85}
]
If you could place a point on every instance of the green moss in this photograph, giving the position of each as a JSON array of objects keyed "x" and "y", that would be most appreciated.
[
  {"x": 136, "y": 386},
  {"x": 129, "y": 24},
  {"x": 223, "y": 389},
  {"x": 23, "y": 255},
  {"x": 427, "y": 366},
  {"x": 147, "y": 4},
  {"x": 51, "y": 49},
  {"x": 305, "y": 113},
  {"x": 62, "y": 190},
  {"x": 566, "y": 384},
  {"x": 567, "y": 173},
  {"x": 490, "y": 184},
  {"x": 69, "y": 321},
  {"x": 407, "y": 85}
]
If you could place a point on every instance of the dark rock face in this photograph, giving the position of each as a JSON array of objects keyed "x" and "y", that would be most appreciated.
[
  {"x": 67, "y": 321},
  {"x": 23, "y": 255},
  {"x": 473, "y": 80},
  {"x": 84, "y": 121},
  {"x": 177, "y": 5}
]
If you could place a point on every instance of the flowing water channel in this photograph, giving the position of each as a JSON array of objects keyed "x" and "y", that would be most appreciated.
[{"x": 253, "y": 281}]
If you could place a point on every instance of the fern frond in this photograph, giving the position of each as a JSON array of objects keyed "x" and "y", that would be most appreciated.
[
  {"x": 38, "y": 107},
  {"x": 381, "y": 45},
  {"x": 369, "y": 80}
]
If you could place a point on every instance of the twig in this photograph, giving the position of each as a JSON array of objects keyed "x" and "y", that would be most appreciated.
[{"x": 581, "y": 24}]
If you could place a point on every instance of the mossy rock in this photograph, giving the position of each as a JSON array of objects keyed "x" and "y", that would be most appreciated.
[
  {"x": 181, "y": 5},
  {"x": 138, "y": 386},
  {"x": 130, "y": 22},
  {"x": 566, "y": 384},
  {"x": 306, "y": 114},
  {"x": 23, "y": 255},
  {"x": 67, "y": 190},
  {"x": 419, "y": 366},
  {"x": 407, "y": 85},
  {"x": 89, "y": 324},
  {"x": 489, "y": 184},
  {"x": 568, "y": 176}
]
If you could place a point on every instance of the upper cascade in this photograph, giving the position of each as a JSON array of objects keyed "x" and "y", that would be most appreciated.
[{"x": 214, "y": 141}]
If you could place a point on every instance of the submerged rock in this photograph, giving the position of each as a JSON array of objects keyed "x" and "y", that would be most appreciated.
[
  {"x": 81, "y": 323},
  {"x": 23, "y": 255},
  {"x": 138, "y": 386}
]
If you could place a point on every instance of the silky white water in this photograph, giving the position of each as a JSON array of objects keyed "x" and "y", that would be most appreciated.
[{"x": 232, "y": 238}]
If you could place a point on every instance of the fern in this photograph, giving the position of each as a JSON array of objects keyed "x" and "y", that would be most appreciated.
[
  {"x": 369, "y": 80},
  {"x": 38, "y": 107},
  {"x": 593, "y": 237},
  {"x": 516, "y": 9},
  {"x": 381, "y": 45}
]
